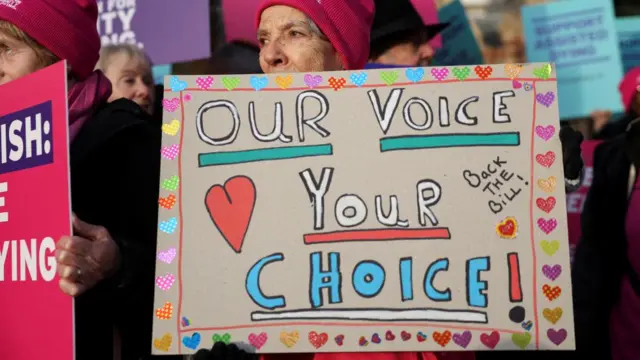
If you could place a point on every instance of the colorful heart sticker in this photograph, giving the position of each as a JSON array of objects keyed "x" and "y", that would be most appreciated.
[
  {"x": 441, "y": 339},
  {"x": 527, "y": 325},
  {"x": 414, "y": 75},
  {"x": 164, "y": 343},
  {"x": 171, "y": 105},
  {"x": 507, "y": 228},
  {"x": 462, "y": 339},
  {"x": 483, "y": 72},
  {"x": 405, "y": 336},
  {"x": 165, "y": 312},
  {"x": 421, "y": 337},
  {"x": 230, "y": 82},
  {"x": 552, "y": 315},
  {"x": 545, "y": 132},
  {"x": 171, "y": 183},
  {"x": 543, "y": 72},
  {"x": 547, "y": 226},
  {"x": 461, "y": 73},
  {"x": 557, "y": 336},
  {"x": 176, "y": 84},
  {"x": 440, "y": 73},
  {"x": 171, "y": 128},
  {"x": 490, "y": 340},
  {"x": 258, "y": 340},
  {"x": 318, "y": 340},
  {"x": 513, "y": 70},
  {"x": 185, "y": 321},
  {"x": 548, "y": 184},
  {"x": 289, "y": 339},
  {"x": 204, "y": 83},
  {"x": 224, "y": 338},
  {"x": 547, "y": 159},
  {"x": 312, "y": 80},
  {"x": 168, "y": 226},
  {"x": 546, "y": 99},
  {"x": 552, "y": 272},
  {"x": 170, "y": 152},
  {"x": 259, "y": 82},
  {"x": 550, "y": 247},
  {"x": 191, "y": 342},
  {"x": 337, "y": 83},
  {"x": 339, "y": 339},
  {"x": 167, "y": 256},
  {"x": 521, "y": 340},
  {"x": 284, "y": 82},
  {"x": 516, "y": 84},
  {"x": 551, "y": 293},
  {"x": 167, "y": 202},
  {"x": 165, "y": 282},
  {"x": 389, "y": 77},
  {"x": 375, "y": 338},
  {"x": 389, "y": 335},
  {"x": 363, "y": 341}
]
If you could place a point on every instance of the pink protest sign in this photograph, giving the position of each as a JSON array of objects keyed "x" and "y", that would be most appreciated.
[
  {"x": 575, "y": 200},
  {"x": 34, "y": 213}
]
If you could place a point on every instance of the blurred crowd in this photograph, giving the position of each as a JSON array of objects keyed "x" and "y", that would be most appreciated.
[{"x": 115, "y": 117}]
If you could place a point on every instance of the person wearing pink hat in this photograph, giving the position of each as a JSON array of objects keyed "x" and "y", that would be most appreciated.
[
  {"x": 630, "y": 96},
  {"x": 108, "y": 263}
]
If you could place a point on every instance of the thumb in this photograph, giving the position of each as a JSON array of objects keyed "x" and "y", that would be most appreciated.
[{"x": 83, "y": 229}]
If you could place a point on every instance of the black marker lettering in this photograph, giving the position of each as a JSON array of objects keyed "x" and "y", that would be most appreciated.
[
  {"x": 462, "y": 117},
  {"x": 276, "y": 133},
  {"x": 498, "y": 106},
  {"x": 385, "y": 115},
  {"x": 406, "y": 112},
  {"x": 424, "y": 202},
  {"x": 229, "y": 138},
  {"x": 313, "y": 122},
  {"x": 316, "y": 193}
]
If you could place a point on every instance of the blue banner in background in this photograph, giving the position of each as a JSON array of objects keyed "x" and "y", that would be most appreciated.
[
  {"x": 459, "y": 45},
  {"x": 629, "y": 36},
  {"x": 580, "y": 38},
  {"x": 159, "y": 72}
]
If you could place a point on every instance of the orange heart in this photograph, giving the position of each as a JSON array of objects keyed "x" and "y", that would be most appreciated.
[
  {"x": 284, "y": 81},
  {"x": 337, "y": 84},
  {"x": 551, "y": 293},
  {"x": 442, "y": 339},
  {"x": 512, "y": 70},
  {"x": 548, "y": 184},
  {"x": 165, "y": 312},
  {"x": 167, "y": 202},
  {"x": 552, "y": 315},
  {"x": 483, "y": 72},
  {"x": 507, "y": 228}
]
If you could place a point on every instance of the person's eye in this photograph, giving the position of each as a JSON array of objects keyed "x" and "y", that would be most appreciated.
[
  {"x": 129, "y": 81},
  {"x": 263, "y": 41},
  {"x": 295, "y": 33}
]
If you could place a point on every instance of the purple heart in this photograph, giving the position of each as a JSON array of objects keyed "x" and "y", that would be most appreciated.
[
  {"x": 552, "y": 272},
  {"x": 547, "y": 226},
  {"x": 312, "y": 81},
  {"x": 167, "y": 256},
  {"x": 462, "y": 339},
  {"x": 545, "y": 132},
  {"x": 546, "y": 99},
  {"x": 557, "y": 337}
]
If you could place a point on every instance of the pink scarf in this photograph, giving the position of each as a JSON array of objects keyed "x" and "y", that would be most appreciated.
[{"x": 84, "y": 98}]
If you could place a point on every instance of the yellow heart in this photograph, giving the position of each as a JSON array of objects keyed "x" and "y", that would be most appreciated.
[
  {"x": 284, "y": 82},
  {"x": 164, "y": 343},
  {"x": 289, "y": 339},
  {"x": 552, "y": 315},
  {"x": 171, "y": 128},
  {"x": 550, "y": 247},
  {"x": 512, "y": 70},
  {"x": 548, "y": 184}
]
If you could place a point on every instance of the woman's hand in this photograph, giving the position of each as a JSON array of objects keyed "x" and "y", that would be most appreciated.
[{"x": 86, "y": 258}]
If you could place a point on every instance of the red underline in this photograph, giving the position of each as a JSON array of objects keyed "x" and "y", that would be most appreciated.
[{"x": 378, "y": 235}]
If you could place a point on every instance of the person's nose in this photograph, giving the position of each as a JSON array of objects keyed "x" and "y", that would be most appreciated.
[
  {"x": 273, "y": 54},
  {"x": 142, "y": 90}
]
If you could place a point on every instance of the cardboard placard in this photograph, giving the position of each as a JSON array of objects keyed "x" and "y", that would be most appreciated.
[
  {"x": 580, "y": 38},
  {"x": 35, "y": 211},
  {"x": 382, "y": 210}
]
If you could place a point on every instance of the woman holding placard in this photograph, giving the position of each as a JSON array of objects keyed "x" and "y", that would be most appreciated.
[{"x": 108, "y": 264}]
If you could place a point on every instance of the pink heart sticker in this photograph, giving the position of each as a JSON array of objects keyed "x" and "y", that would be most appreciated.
[
  {"x": 547, "y": 226},
  {"x": 165, "y": 282},
  {"x": 170, "y": 152},
  {"x": 204, "y": 83},
  {"x": 167, "y": 256},
  {"x": 258, "y": 340},
  {"x": 171, "y": 105}
]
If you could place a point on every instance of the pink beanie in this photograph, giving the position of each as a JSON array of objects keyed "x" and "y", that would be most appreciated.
[
  {"x": 67, "y": 28},
  {"x": 629, "y": 87},
  {"x": 346, "y": 23}
]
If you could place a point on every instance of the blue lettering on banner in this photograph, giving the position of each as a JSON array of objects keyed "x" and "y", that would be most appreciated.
[
  {"x": 26, "y": 138},
  {"x": 331, "y": 279},
  {"x": 476, "y": 288},
  {"x": 253, "y": 284},
  {"x": 430, "y": 290}
]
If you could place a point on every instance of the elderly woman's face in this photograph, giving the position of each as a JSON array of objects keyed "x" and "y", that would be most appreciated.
[
  {"x": 131, "y": 78},
  {"x": 290, "y": 44},
  {"x": 17, "y": 59}
]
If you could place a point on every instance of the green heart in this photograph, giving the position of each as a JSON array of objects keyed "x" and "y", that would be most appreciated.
[
  {"x": 225, "y": 338},
  {"x": 521, "y": 340},
  {"x": 461, "y": 73},
  {"x": 171, "y": 183},
  {"x": 230, "y": 83},
  {"x": 550, "y": 247},
  {"x": 543, "y": 72},
  {"x": 389, "y": 77}
]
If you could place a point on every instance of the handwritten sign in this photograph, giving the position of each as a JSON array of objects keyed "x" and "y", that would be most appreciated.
[
  {"x": 629, "y": 35},
  {"x": 381, "y": 210},
  {"x": 580, "y": 37},
  {"x": 34, "y": 213},
  {"x": 460, "y": 46},
  {"x": 185, "y": 35}
]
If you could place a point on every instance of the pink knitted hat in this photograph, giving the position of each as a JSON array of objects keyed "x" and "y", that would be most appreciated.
[
  {"x": 346, "y": 23},
  {"x": 629, "y": 87},
  {"x": 67, "y": 28}
]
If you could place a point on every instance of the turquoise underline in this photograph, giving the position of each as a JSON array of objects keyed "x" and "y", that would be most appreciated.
[
  {"x": 266, "y": 154},
  {"x": 448, "y": 141}
]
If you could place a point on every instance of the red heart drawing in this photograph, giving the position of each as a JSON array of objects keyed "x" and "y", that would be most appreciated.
[
  {"x": 389, "y": 335},
  {"x": 318, "y": 340},
  {"x": 405, "y": 336},
  {"x": 508, "y": 228},
  {"x": 483, "y": 72},
  {"x": 230, "y": 207},
  {"x": 546, "y": 205},
  {"x": 547, "y": 159}
]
